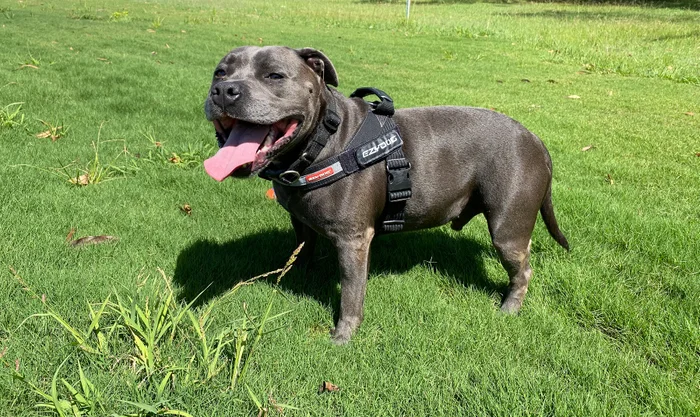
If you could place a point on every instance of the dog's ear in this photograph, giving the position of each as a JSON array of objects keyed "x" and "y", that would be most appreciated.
[{"x": 321, "y": 65}]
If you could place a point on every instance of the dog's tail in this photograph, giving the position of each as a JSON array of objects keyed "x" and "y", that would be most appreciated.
[{"x": 547, "y": 212}]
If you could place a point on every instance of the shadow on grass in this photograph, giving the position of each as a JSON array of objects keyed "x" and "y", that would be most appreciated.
[{"x": 224, "y": 265}]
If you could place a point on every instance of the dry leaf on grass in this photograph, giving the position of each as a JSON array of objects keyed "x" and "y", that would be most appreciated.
[
  {"x": 274, "y": 404},
  {"x": 327, "y": 387},
  {"x": 80, "y": 180},
  {"x": 573, "y": 96},
  {"x": 587, "y": 148},
  {"x": 28, "y": 66},
  {"x": 697, "y": 154},
  {"x": 609, "y": 178},
  {"x": 689, "y": 113},
  {"x": 92, "y": 240},
  {"x": 54, "y": 134},
  {"x": 69, "y": 237},
  {"x": 186, "y": 209}
]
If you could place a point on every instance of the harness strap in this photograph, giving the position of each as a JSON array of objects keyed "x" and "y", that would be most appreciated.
[
  {"x": 398, "y": 188},
  {"x": 366, "y": 148},
  {"x": 323, "y": 132},
  {"x": 398, "y": 184},
  {"x": 377, "y": 139},
  {"x": 328, "y": 126}
]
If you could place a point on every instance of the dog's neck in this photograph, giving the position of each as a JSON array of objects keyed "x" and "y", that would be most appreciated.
[{"x": 351, "y": 113}]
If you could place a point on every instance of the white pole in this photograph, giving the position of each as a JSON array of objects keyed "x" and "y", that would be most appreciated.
[{"x": 408, "y": 9}]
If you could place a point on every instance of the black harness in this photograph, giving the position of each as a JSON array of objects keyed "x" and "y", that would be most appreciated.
[{"x": 377, "y": 139}]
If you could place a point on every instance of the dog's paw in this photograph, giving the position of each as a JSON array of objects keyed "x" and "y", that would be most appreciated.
[
  {"x": 340, "y": 339},
  {"x": 511, "y": 305},
  {"x": 340, "y": 335}
]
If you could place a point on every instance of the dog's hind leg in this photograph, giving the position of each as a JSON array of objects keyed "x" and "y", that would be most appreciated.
[
  {"x": 510, "y": 233},
  {"x": 473, "y": 208}
]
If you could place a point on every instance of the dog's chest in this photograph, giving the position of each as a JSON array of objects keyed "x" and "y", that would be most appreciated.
[
  {"x": 282, "y": 195},
  {"x": 356, "y": 200},
  {"x": 299, "y": 203}
]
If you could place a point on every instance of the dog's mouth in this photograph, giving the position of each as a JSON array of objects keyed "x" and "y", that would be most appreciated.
[{"x": 248, "y": 147}]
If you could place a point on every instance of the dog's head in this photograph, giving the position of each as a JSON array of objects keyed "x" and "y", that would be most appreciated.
[{"x": 263, "y": 102}]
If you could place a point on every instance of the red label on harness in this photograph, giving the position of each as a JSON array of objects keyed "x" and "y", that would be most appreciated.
[{"x": 319, "y": 175}]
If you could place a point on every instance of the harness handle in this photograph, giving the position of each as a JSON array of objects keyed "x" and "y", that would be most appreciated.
[{"x": 385, "y": 105}]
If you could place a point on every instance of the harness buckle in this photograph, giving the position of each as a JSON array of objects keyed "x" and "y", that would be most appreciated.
[
  {"x": 392, "y": 225},
  {"x": 288, "y": 177},
  {"x": 331, "y": 121},
  {"x": 306, "y": 158},
  {"x": 399, "y": 184}
]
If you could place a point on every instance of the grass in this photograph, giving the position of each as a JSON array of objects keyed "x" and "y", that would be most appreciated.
[
  {"x": 135, "y": 336},
  {"x": 613, "y": 328},
  {"x": 11, "y": 115}
]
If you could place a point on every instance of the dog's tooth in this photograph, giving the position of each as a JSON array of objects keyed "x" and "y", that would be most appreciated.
[{"x": 270, "y": 138}]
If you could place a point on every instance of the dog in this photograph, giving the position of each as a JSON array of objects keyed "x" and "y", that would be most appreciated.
[{"x": 266, "y": 103}]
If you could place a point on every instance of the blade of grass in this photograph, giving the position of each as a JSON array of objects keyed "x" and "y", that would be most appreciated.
[{"x": 58, "y": 404}]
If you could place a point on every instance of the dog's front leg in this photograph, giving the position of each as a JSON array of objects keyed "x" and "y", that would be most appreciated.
[
  {"x": 306, "y": 235},
  {"x": 353, "y": 257}
]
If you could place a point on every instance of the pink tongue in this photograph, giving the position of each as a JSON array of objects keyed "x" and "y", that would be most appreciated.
[{"x": 240, "y": 148}]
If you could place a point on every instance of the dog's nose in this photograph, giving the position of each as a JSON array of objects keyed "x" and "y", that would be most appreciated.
[{"x": 225, "y": 93}]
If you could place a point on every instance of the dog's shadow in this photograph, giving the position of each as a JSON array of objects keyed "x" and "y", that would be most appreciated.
[{"x": 221, "y": 266}]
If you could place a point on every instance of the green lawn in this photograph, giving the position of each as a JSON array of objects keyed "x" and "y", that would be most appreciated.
[{"x": 611, "y": 328}]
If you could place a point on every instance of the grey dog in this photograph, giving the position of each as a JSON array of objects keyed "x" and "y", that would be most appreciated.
[{"x": 265, "y": 104}]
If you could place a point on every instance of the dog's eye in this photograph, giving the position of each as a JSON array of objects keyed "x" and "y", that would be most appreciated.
[
  {"x": 219, "y": 73},
  {"x": 275, "y": 76}
]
